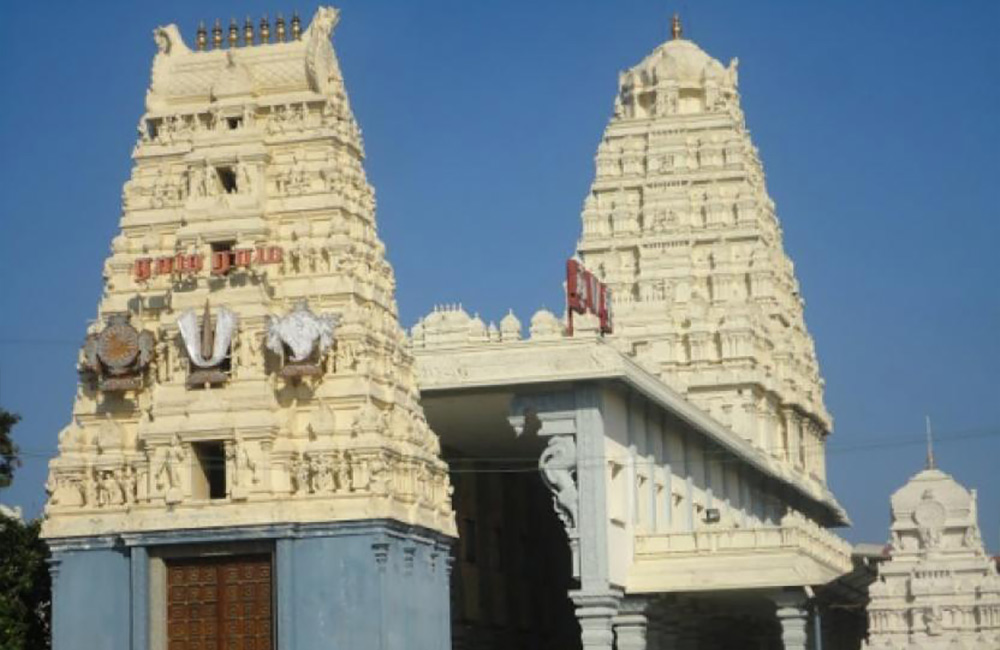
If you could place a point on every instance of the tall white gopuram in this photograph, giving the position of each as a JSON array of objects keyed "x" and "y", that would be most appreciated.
[
  {"x": 682, "y": 451},
  {"x": 679, "y": 224},
  {"x": 939, "y": 590},
  {"x": 247, "y": 414}
]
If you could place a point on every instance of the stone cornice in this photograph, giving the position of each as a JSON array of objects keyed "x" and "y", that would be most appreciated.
[{"x": 531, "y": 362}]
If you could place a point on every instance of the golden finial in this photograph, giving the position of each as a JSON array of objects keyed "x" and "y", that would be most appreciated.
[
  {"x": 296, "y": 27},
  {"x": 217, "y": 35},
  {"x": 675, "y": 27},
  {"x": 202, "y": 41},
  {"x": 279, "y": 29},
  {"x": 234, "y": 33},
  {"x": 248, "y": 32},
  {"x": 265, "y": 30}
]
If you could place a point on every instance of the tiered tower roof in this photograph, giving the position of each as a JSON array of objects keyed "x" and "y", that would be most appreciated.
[
  {"x": 679, "y": 224},
  {"x": 247, "y": 366},
  {"x": 939, "y": 590}
]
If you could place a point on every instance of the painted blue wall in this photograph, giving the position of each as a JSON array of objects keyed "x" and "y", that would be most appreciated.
[
  {"x": 377, "y": 585},
  {"x": 369, "y": 589},
  {"x": 91, "y": 600}
]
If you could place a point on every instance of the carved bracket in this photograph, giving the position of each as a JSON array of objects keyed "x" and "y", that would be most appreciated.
[
  {"x": 552, "y": 417},
  {"x": 557, "y": 464}
]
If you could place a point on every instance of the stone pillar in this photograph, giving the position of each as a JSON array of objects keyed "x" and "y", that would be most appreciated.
[
  {"x": 595, "y": 611},
  {"x": 139, "y": 565},
  {"x": 794, "y": 619},
  {"x": 631, "y": 624}
]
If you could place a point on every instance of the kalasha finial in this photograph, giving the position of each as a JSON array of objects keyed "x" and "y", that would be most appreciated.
[
  {"x": 279, "y": 28},
  {"x": 217, "y": 35},
  {"x": 248, "y": 32},
  {"x": 234, "y": 33},
  {"x": 202, "y": 41},
  {"x": 676, "y": 31},
  {"x": 265, "y": 30},
  {"x": 296, "y": 27}
]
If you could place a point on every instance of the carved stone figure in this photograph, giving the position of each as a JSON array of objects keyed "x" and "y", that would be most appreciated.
[
  {"x": 168, "y": 474},
  {"x": 558, "y": 467},
  {"x": 244, "y": 468},
  {"x": 300, "y": 472},
  {"x": 342, "y": 463},
  {"x": 930, "y": 516}
]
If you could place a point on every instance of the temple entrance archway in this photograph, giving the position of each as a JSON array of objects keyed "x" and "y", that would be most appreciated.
[{"x": 512, "y": 566}]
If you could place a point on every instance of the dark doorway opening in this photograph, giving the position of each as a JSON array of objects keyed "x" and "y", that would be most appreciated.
[
  {"x": 512, "y": 570},
  {"x": 209, "y": 479}
]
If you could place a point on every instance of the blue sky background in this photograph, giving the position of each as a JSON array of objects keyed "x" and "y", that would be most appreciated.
[{"x": 877, "y": 123}]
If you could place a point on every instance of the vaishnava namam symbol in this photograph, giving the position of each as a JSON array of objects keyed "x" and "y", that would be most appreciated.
[{"x": 198, "y": 344}]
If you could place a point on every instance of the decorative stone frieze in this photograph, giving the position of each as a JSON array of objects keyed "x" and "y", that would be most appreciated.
[{"x": 247, "y": 197}]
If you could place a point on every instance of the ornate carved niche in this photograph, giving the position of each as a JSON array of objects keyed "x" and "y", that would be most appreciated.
[
  {"x": 930, "y": 516},
  {"x": 116, "y": 358},
  {"x": 301, "y": 340},
  {"x": 209, "y": 347}
]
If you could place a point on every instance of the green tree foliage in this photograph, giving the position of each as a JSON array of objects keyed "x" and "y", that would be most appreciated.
[
  {"x": 25, "y": 584},
  {"x": 9, "y": 460}
]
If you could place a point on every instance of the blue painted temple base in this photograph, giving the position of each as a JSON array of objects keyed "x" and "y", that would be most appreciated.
[{"x": 375, "y": 585}]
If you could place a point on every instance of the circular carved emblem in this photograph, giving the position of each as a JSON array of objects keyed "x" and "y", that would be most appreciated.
[
  {"x": 118, "y": 346},
  {"x": 930, "y": 513}
]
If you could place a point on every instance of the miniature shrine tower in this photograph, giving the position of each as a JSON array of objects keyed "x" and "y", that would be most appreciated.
[
  {"x": 679, "y": 225},
  {"x": 247, "y": 464},
  {"x": 939, "y": 590}
]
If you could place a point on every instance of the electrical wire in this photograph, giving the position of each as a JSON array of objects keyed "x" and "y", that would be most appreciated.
[{"x": 527, "y": 464}]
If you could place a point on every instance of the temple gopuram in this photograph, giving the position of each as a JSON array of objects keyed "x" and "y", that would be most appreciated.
[
  {"x": 260, "y": 457},
  {"x": 248, "y": 465},
  {"x": 673, "y": 417}
]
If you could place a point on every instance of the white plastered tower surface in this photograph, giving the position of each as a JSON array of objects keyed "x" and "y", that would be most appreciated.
[
  {"x": 679, "y": 224},
  {"x": 248, "y": 315},
  {"x": 939, "y": 589}
]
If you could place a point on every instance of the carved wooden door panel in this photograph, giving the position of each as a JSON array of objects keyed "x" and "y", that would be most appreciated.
[{"x": 219, "y": 603}]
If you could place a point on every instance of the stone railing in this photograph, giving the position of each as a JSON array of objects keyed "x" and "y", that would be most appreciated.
[{"x": 796, "y": 533}]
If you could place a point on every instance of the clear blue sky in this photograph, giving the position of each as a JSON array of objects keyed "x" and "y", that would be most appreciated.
[{"x": 877, "y": 123}]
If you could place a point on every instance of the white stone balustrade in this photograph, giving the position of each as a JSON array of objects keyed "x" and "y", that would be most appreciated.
[{"x": 796, "y": 552}]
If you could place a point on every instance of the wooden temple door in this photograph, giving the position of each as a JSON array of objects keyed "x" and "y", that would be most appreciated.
[{"x": 220, "y": 603}]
